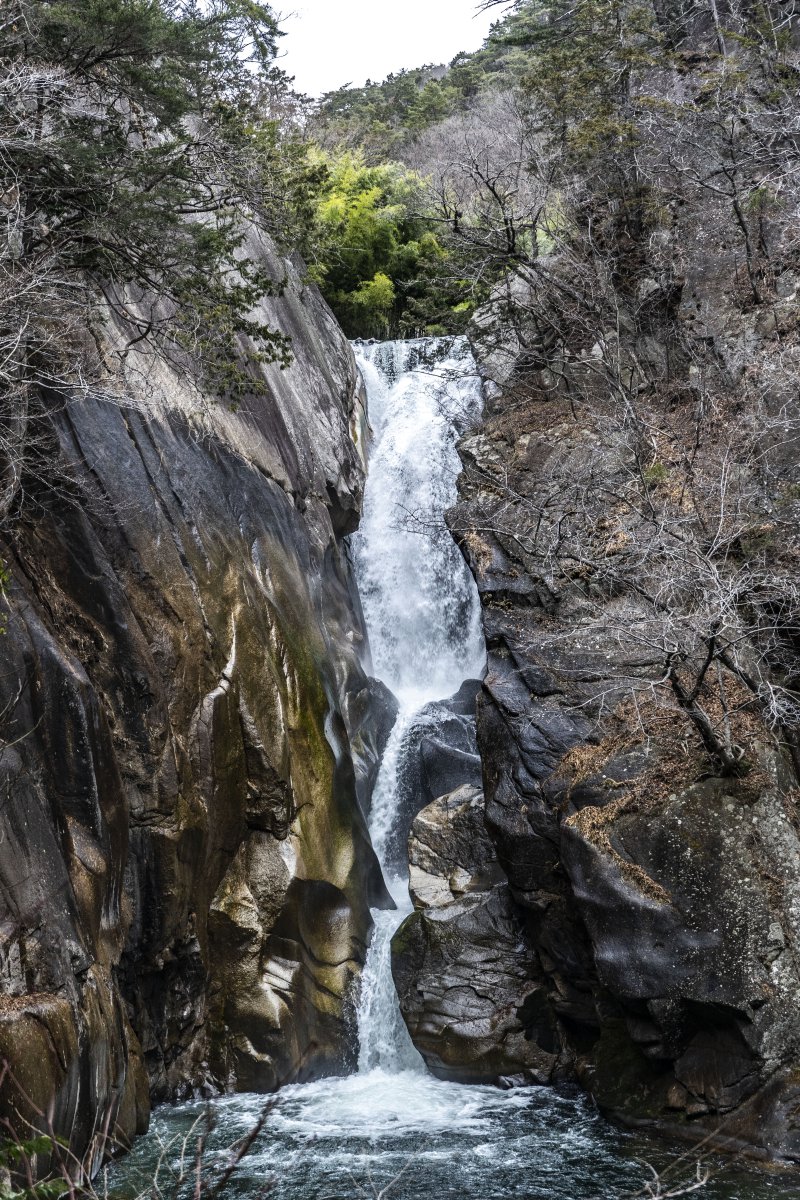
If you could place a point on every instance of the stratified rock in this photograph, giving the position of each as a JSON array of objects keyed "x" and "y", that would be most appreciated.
[
  {"x": 470, "y": 989},
  {"x": 655, "y": 860},
  {"x": 660, "y": 896},
  {"x": 185, "y": 871},
  {"x": 697, "y": 951}
]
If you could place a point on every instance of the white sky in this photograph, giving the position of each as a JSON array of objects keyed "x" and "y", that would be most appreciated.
[{"x": 332, "y": 42}]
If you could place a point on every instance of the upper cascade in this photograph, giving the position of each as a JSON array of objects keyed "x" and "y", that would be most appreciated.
[{"x": 420, "y": 602}]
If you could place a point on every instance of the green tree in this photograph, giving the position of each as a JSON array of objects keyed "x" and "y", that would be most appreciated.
[
  {"x": 384, "y": 119},
  {"x": 373, "y": 245},
  {"x": 138, "y": 153}
]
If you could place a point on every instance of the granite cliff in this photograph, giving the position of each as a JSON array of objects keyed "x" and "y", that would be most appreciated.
[{"x": 184, "y": 866}]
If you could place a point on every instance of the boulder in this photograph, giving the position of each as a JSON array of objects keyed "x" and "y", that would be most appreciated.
[
  {"x": 371, "y": 714},
  {"x": 470, "y": 988},
  {"x": 439, "y": 754}
]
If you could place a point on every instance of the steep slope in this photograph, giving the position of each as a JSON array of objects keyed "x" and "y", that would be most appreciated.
[
  {"x": 660, "y": 891},
  {"x": 186, "y": 873}
]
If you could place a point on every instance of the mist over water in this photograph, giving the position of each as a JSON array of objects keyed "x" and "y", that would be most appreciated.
[{"x": 391, "y": 1125}]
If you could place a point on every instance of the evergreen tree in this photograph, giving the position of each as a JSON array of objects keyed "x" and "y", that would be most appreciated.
[{"x": 135, "y": 153}]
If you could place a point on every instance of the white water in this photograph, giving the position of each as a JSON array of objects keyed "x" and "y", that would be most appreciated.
[
  {"x": 420, "y": 602},
  {"x": 421, "y": 609},
  {"x": 384, "y": 1044}
]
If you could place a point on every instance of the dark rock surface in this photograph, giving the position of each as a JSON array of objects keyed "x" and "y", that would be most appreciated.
[
  {"x": 185, "y": 872},
  {"x": 661, "y": 900},
  {"x": 371, "y": 714},
  {"x": 466, "y": 974},
  {"x": 440, "y": 754},
  {"x": 629, "y": 509},
  {"x": 660, "y": 895}
]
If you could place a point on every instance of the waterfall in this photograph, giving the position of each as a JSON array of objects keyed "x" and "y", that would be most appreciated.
[
  {"x": 392, "y": 1128},
  {"x": 420, "y": 604}
]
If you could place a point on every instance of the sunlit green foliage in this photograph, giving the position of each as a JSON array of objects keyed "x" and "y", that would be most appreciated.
[
  {"x": 17, "y": 1178},
  {"x": 384, "y": 257},
  {"x": 375, "y": 248}
]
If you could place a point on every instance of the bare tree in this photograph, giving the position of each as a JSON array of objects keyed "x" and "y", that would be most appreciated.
[{"x": 490, "y": 190}]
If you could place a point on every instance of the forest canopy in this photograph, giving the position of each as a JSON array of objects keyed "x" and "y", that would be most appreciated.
[{"x": 145, "y": 142}]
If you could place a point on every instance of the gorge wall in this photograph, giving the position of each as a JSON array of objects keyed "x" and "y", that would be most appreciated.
[
  {"x": 184, "y": 865},
  {"x": 621, "y": 905},
  {"x": 612, "y": 895}
]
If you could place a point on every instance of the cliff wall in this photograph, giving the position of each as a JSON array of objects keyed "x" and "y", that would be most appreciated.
[
  {"x": 629, "y": 508},
  {"x": 185, "y": 871}
]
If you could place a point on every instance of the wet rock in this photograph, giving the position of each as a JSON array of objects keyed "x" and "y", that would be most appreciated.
[
  {"x": 440, "y": 754},
  {"x": 469, "y": 984},
  {"x": 371, "y": 713}
]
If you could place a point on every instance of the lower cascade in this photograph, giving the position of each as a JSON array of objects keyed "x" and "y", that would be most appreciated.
[{"x": 391, "y": 1129}]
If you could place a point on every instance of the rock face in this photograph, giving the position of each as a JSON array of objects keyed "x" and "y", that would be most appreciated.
[
  {"x": 440, "y": 754},
  {"x": 465, "y": 972},
  {"x": 663, "y": 925},
  {"x": 658, "y": 880},
  {"x": 609, "y": 909},
  {"x": 184, "y": 866},
  {"x": 630, "y": 510}
]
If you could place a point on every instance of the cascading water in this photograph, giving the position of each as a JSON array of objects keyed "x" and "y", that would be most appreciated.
[
  {"x": 420, "y": 605},
  {"x": 420, "y": 602},
  {"x": 391, "y": 1129}
]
